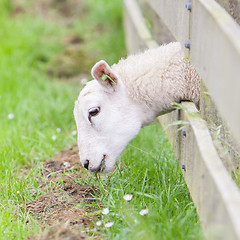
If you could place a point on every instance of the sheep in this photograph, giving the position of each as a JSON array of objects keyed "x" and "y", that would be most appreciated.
[{"x": 123, "y": 98}]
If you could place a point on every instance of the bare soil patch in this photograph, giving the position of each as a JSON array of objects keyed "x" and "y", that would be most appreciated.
[{"x": 67, "y": 204}]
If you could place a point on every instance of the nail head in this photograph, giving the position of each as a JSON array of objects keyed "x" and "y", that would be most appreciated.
[
  {"x": 188, "y": 5},
  {"x": 183, "y": 166},
  {"x": 187, "y": 44},
  {"x": 184, "y": 132}
]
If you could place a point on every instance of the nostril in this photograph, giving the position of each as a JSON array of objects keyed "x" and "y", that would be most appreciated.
[{"x": 86, "y": 163}]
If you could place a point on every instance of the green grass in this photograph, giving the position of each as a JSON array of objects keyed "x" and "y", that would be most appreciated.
[
  {"x": 41, "y": 105},
  {"x": 104, "y": 25},
  {"x": 154, "y": 178}
]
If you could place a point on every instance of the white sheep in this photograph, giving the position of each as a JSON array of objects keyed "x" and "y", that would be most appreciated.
[{"x": 111, "y": 110}]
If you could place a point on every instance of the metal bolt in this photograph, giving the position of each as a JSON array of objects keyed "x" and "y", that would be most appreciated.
[
  {"x": 187, "y": 44},
  {"x": 183, "y": 166},
  {"x": 188, "y": 5},
  {"x": 184, "y": 132}
]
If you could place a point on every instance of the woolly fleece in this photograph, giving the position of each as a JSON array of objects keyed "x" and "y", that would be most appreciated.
[{"x": 158, "y": 77}]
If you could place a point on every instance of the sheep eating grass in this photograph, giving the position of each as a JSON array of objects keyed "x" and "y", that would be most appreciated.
[{"x": 111, "y": 110}]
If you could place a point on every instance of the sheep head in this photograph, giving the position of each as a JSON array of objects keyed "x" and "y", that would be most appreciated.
[{"x": 107, "y": 119}]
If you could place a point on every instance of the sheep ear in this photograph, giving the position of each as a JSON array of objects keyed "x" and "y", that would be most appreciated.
[{"x": 104, "y": 75}]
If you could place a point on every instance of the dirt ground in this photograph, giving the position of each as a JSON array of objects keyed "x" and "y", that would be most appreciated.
[
  {"x": 66, "y": 206},
  {"x": 63, "y": 211}
]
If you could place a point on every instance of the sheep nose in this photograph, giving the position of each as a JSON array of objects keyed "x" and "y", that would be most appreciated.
[{"x": 86, "y": 163}]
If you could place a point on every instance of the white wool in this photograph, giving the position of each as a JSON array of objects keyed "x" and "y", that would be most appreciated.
[{"x": 159, "y": 77}]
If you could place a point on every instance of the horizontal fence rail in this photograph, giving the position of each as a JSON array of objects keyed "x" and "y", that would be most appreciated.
[{"x": 213, "y": 191}]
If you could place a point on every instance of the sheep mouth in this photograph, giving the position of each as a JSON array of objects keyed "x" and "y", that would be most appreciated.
[{"x": 103, "y": 164}]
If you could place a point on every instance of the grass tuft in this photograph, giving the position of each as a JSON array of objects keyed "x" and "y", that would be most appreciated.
[{"x": 153, "y": 176}]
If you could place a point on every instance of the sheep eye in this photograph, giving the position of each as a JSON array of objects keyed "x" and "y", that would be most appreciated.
[{"x": 93, "y": 112}]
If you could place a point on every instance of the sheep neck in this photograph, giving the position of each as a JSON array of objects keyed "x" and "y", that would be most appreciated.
[{"x": 158, "y": 78}]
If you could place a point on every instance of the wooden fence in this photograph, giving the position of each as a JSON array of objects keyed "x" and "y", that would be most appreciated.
[{"x": 211, "y": 40}]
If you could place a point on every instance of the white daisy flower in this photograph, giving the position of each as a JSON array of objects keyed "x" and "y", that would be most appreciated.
[
  {"x": 66, "y": 164},
  {"x": 84, "y": 81},
  {"x": 143, "y": 212},
  {"x": 58, "y": 130},
  {"x": 74, "y": 132},
  {"x": 109, "y": 224},
  {"x": 54, "y": 138},
  {"x": 99, "y": 223},
  {"x": 10, "y": 116},
  {"x": 105, "y": 211},
  {"x": 128, "y": 197}
]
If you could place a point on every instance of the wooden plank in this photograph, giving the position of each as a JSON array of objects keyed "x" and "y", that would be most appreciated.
[
  {"x": 175, "y": 16},
  {"x": 213, "y": 191},
  {"x": 215, "y": 52},
  {"x": 138, "y": 36},
  {"x": 167, "y": 121},
  {"x": 227, "y": 149},
  {"x": 159, "y": 31},
  {"x": 232, "y": 7}
]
